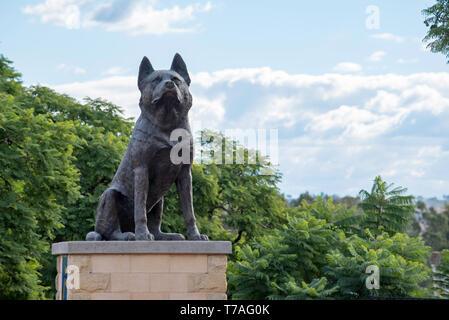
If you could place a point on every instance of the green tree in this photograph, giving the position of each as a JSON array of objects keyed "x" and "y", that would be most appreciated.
[
  {"x": 385, "y": 209},
  {"x": 316, "y": 256},
  {"x": 401, "y": 261},
  {"x": 437, "y": 20},
  {"x": 236, "y": 202},
  {"x": 285, "y": 264},
  {"x": 98, "y": 137},
  {"x": 348, "y": 201},
  {"x": 436, "y": 234},
  {"x": 36, "y": 172},
  {"x": 305, "y": 196},
  {"x": 103, "y": 135},
  {"x": 10, "y": 82},
  {"x": 441, "y": 275}
]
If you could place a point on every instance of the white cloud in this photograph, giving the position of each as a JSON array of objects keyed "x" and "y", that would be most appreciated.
[
  {"x": 377, "y": 56},
  {"x": 384, "y": 102},
  {"x": 347, "y": 67},
  {"x": 276, "y": 111},
  {"x": 418, "y": 164},
  {"x": 355, "y": 122},
  {"x": 207, "y": 112},
  {"x": 122, "y": 90},
  {"x": 388, "y": 124},
  {"x": 73, "y": 69},
  {"x": 133, "y": 16},
  {"x": 416, "y": 99},
  {"x": 390, "y": 118},
  {"x": 391, "y": 99},
  {"x": 117, "y": 89},
  {"x": 79, "y": 70},
  {"x": 388, "y": 36},
  {"x": 63, "y": 13},
  {"x": 331, "y": 86},
  {"x": 113, "y": 71}
]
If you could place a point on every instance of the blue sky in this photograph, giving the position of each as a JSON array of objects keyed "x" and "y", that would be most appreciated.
[{"x": 349, "y": 102}]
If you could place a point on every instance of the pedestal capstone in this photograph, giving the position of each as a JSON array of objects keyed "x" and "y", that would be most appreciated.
[{"x": 141, "y": 270}]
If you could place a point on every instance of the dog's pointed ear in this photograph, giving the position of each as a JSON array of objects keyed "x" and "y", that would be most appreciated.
[
  {"x": 145, "y": 70},
  {"x": 179, "y": 66}
]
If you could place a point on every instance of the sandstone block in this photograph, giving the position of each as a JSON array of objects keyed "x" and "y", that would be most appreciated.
[
  {"x": 81, "y": 261},
  {"x": 217, "y": 296},
  {"x": 110, "y": 263},
  {"x": 187, "y": 296},
  {"x": 217, "y": 263},
  {"x": 188, "y": 263},
  {"x": 130, "y": 282},
  {"x": 208, "y": 282},
  {"x": 110, "y": 296},
  {"x": 173, "y": 282},
  {"x": 94, "y": 281},
  {"x": 152, "y": 263},
  {"x": 149, "y": 296}
]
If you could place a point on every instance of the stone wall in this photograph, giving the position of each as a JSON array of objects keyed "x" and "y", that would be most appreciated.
[{"x": 184, "y": 273}]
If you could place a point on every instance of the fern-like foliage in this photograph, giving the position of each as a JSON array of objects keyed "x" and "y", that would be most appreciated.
[
  {"x": 441, "y": 275},
  {"x": 437, "y": 37},
  {"x": 401, "y": 261},
  {"x": 385, "y": 208},
  {"x": 284, "y": 265},
  {"x": 317, "y": 289}
]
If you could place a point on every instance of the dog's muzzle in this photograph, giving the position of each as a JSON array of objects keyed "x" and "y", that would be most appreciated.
[{"x": 168, "y": 90}]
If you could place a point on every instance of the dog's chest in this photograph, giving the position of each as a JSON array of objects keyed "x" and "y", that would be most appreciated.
[
  {"x": 162, "y": 173},
  {"x": 154, "y": 152}
]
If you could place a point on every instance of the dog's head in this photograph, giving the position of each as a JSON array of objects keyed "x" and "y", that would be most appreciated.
[{"x": 165, "y": 95}]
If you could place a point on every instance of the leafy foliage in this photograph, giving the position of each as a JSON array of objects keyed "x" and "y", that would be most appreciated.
[
  {"x": 57, "y": 158},
  {"x": 438, "y": 23},
  {"x": 401, "y": 261},
  {"x": 37, "y": 181},
  {"x": 384, "y": 209},
  {"x": 436, "y": 234},
  {"x": 306, "y": 291},
  {"x": 441, "y": 275},
  {"x": 10, "y": 82},
  {"x": 238, "y": 197},
  {"x": 323, "y": 253},
  {"x": 102, "y": 136},
  {"x": 284, "y": 265}
]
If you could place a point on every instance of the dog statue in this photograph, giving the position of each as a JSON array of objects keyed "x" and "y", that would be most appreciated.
[{"x": 131, "y": 208}]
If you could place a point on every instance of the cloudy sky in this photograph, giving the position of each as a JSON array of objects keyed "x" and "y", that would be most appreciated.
[{"x": 352, "y": 94}]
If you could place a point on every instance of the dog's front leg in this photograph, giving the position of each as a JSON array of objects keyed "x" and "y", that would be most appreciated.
[
  {"x": 140, "y": 204},
  {"x": 184, "y": 187}
]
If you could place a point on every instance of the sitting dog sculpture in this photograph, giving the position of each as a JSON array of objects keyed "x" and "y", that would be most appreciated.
[{"x": 131, "y": 208}]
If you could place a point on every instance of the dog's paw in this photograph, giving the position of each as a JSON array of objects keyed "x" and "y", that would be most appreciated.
[
  {"x": 199, "y": 237},
  {"x": 93, "y": 236},
  {"x": 129, "y": 236},
  {"x": 144, "y": 235},
  {"x": 169, "y": 236}
]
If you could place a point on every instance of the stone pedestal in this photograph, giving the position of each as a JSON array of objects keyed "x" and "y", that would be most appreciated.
[{"x": 141, "y": 270}]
